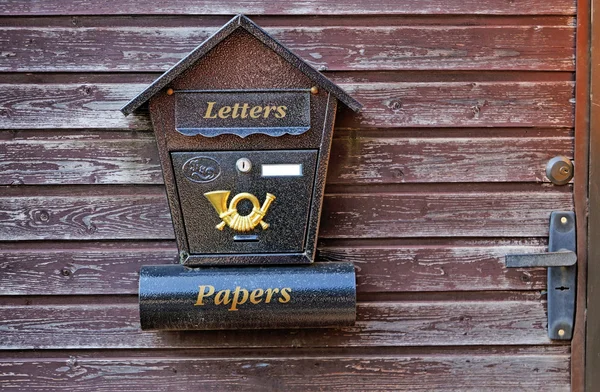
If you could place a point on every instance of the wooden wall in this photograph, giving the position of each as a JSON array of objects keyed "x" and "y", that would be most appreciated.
[{"x": 439, "y": 177}]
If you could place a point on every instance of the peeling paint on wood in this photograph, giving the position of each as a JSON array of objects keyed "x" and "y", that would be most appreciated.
[
  {"x": 421, "y": 195},
  {"x": 145, "y": 49},
  {"x": 398, "y": 372},
  {"x": 422, "y": 323},
  {"x": 355, "y": 159},
  {"x": 294, "y": 7},
  {"x": 386, "y": 105},
  {"x": 128, "y": 214},
  {"x": 86, "y": 271}
]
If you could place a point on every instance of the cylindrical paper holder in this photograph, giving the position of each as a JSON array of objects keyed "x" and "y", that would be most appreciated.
[{"x": 174, "y": 297}]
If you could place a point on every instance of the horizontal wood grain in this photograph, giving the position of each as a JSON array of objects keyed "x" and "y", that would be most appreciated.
[
  {"x": 80, "y": 159},
  {"x": 83, "y": 270},
  {"x": 357, "y": 158},
  {"x": 362, "y": 159},
  {"x": 482, "y": 214},
  {"x": 429, "y": 187},
  {"x": 343, "y": 48},
  {"x": 420, "y": 323},
  {"x": 142, "y": 213},
  {"x": 384, "y": 372},
  {"x": 386, "y": 105},
  {"x": 293, "y": 7}
]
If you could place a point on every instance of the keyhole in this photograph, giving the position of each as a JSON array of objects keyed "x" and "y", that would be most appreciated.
[
  {"x": 244, "y": 165},
  {"x": 562, "y": 288}
]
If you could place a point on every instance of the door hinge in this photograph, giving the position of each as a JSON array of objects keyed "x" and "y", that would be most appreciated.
[{"x": 561, "y": 261}]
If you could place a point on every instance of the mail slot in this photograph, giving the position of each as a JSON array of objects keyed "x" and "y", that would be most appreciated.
[{"x": 244, "y": 129}]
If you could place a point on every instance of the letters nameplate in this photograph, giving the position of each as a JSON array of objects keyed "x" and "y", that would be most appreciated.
[{"x": 242, "y": 113}]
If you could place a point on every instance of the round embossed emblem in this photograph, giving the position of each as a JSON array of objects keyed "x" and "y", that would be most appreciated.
[{"x": 201, "y": 169}]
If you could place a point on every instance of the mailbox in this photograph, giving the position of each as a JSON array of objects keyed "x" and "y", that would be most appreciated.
[{"x": 244, "y": 130}]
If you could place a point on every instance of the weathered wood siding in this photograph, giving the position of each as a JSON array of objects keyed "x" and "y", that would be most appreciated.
[{"x": 439, "y": 177}]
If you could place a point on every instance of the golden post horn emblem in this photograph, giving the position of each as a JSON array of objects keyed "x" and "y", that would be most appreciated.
[{"x": 232, "y": 218}]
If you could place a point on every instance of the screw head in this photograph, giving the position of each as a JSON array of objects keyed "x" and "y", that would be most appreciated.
[
  {"x": 564, "y": 220},
  {"x": 170, "y": 91},
  {"x": 561, "y": 332},
  {"x": 314, "y": 90}
]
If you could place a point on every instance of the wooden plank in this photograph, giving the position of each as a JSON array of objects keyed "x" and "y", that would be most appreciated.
[
  {"x": 141, "y": 214},
  {"x": 387, "y": 105},
  {"x": 516, "y": 104},
  {"x": 144, "y": 49},
  {"x": 131, "y": 213},
  {"x": 35, "y": 270},
  {"x": 384, "y": 372},
  {"x": 502, "y": 214},
  {"x": 357, "y": 158},
  {"x": 76, "y": 159},
  {"x": 584, "y": 359},
  {"x": 586, "y": 343},
  {"x": 293, "y": 7},
  {"x": 90, "y": 325}
]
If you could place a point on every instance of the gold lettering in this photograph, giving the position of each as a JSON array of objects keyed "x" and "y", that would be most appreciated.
[
  {"x": 244, "y": 110},
  {"x": 222, "y": 297},
  {"x": 285, "y": 295},
  {"x": 236, "y": 298},
  {"x": 239, "y": 110},
  {"x": 224, "y": 111},
  {"x": 241, "y": 296},
  {"x": 281, "y": 111},
  {"x": 270, "y": 293},
  {"x": 203, "y": 293},
  {"x": 235, "y": 113},
  {"x": 209, "y": 110},
  {"x": 256, "y": 295},
  {"x": 267, "y": 110},
  {"x": 255, "y": 111}
]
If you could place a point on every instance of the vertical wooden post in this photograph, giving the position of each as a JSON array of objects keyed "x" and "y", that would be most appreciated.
[{"x": 592, "y": 356}]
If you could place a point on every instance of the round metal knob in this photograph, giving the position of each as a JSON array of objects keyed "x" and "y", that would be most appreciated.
[{"x": 559, "y": 170}]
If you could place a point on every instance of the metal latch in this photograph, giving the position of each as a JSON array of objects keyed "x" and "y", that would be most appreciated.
[{"x": 561, "y": 261}]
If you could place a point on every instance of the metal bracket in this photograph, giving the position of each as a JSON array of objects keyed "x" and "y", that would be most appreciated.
[{"x": 561, "y": 261}]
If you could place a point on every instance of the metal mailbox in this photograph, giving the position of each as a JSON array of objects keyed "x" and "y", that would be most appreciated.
[{"x": 244, "y": 129}]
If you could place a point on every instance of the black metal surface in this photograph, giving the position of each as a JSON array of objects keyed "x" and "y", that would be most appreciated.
[
  {"x": 242, "y": 113},
  {"x": 562, "y": 273},
  {"x": 315, "y": 295},
  {"x": 239, "y": 21},
  {"x": 562, "y": 258},
  {"x": 287, "y": 215},
  {"x": 562, "y": 280}
]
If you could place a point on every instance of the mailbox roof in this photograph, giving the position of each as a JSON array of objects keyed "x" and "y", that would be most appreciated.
[{"x": 240, "y": 21}]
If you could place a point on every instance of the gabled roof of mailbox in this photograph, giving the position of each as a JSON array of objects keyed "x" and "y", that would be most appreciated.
[{"x": 240, "y": 21}]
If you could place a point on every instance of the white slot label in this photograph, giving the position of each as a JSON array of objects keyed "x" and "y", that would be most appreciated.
[{"x": 282, "y": 170}]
